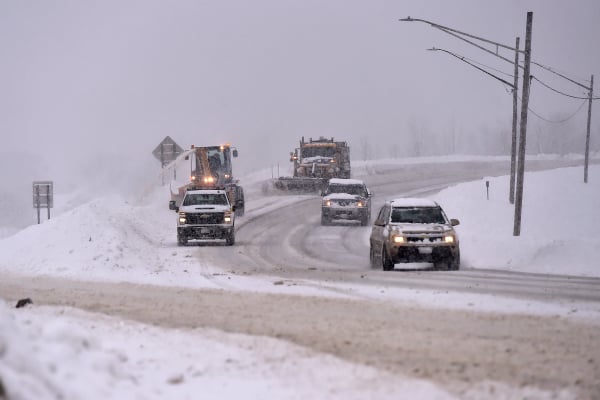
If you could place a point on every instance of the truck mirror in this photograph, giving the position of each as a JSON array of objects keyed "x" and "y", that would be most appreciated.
[
  {"x": 233, "y": 208},
  {"x": 172, "y": 205},
  {"x": 234, "y": 152}
]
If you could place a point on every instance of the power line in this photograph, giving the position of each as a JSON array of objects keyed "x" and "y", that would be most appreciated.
[
  {"x": 554, "y": 71},
  {"x": 464, "y": 59},
  {"x": 487, "y": 66},
  {"x": 557, "y": 121},
  {"x": 564, "y": 94}
]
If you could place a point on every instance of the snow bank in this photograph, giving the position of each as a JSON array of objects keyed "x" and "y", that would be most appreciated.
[
  {"x": 61, "y": 353},
  {"x": 559, "y": 226}
]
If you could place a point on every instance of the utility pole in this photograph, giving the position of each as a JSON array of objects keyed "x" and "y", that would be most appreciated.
[
  {"x": 523, "y": 132},
  {"x": 587, "y": 136},
  {"x": 513, "y": 148}
]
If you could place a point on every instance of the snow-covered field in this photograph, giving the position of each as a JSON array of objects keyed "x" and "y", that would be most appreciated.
[{"x": 57, "y": 352}]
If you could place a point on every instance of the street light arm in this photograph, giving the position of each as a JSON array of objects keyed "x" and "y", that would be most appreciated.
[
  {"x": 474, "y": 66},
  {"x": 456, "y": 33},
  {"x": 447, "y": 29}
]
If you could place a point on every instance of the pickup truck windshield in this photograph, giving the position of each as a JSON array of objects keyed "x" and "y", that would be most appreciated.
[
  {"x": 200, "y": 199},
  {"x": 418, "y": 215}
]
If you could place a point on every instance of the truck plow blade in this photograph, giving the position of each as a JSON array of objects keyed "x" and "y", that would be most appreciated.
[{"x": 299, "y": 185}]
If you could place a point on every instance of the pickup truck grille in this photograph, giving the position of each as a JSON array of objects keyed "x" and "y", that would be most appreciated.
[{"x": 204, "y": 218}]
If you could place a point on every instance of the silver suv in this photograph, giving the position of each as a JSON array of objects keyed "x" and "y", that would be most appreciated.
[
  {"x": 414, "y": 230},
  {"x": 346, "y": 200}
]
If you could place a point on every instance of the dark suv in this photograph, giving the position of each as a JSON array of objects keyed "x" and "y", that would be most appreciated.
[
  {"x": 414, "y": 230},
  {"x": 346, "y": 200}
]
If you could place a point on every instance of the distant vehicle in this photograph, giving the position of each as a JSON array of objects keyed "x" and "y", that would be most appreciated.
[
  {"x": 205, "y": 214},
  {"x": 316, "y": 161},
  {"x": 414, "y": 230},
  {"x": 346, "y": 200}
]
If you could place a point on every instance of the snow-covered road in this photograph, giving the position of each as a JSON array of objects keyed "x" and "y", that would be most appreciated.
[{"x": 523, "y": 325}]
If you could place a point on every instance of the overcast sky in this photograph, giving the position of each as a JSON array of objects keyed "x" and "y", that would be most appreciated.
[{"x": 81, "y": 79}]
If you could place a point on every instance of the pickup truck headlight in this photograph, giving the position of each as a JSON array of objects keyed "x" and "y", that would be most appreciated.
[
  {"x": 326, "y": 203},
  {"x": 360, "y": 204},
  {"x": 227, "y": 218},
  {"x": 397, "y": 238},
  {"x": 182, "y": 219}
]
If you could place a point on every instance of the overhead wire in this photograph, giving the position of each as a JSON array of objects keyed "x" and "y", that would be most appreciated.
[
  {"x": 511, "y": 86},
  {"x": 561, "y": 121},
  {"x": 562, "y": 93},
  {"x": 487, "y": 66}
]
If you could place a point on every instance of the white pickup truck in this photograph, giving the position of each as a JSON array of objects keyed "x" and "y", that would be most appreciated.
[{"x": 205, "y": 215}]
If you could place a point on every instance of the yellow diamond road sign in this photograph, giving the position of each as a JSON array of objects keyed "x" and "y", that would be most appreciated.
[{"x": 167, "y": 151}]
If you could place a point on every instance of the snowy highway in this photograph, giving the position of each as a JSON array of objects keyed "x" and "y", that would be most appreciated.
[
  {"x": 289, "y": 242},
  {"x": 482, "y": 331}
]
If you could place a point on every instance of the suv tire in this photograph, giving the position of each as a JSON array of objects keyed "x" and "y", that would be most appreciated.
[
  {"x": 372, "y": 257},
  {"x": 454, "y": 263}
]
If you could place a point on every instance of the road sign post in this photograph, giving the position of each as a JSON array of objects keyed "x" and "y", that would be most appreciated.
[
  {"x": 167, "y": 151},
  {"x": 43, "y": 196}
]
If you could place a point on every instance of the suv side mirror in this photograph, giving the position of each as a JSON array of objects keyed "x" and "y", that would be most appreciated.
[
  {"x": 172, "y": 205},
  {"x": 233, "y": 208},
  {"x": 454, "y": 222}
]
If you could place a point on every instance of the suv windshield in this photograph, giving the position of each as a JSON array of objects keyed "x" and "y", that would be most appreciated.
[
  {"x": 350, "y": 189},
  {"x": 418, "y": 215},
  {"x": 205, "y": 199}
]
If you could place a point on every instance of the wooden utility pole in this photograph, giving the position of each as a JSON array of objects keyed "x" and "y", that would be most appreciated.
[
  {"x": 513, "y": 148},
  {"x": 523, "y": 131},
  {"x": 587, "y": 136}
]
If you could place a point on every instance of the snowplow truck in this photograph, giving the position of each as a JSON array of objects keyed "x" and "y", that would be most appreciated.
[
  {"x": 315, "y": 162},
  {"x": 211, "y": 169}
]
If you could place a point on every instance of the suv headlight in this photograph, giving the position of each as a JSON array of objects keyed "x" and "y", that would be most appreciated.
[
  {"x": 326, "y": 203},
  {"x": 449, "y": 238},
  {"x": 360, "y": 203},
  {"x": 182, "y": 219}
]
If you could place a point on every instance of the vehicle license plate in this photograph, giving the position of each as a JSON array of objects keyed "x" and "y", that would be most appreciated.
[{"x": 425, "y": 250}]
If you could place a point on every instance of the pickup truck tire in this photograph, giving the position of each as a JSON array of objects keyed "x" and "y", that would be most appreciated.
[
  {"x": 386, "y": 262},
  {"x": 181, "y": 241},
  {"x": 230, "y": 240}
]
